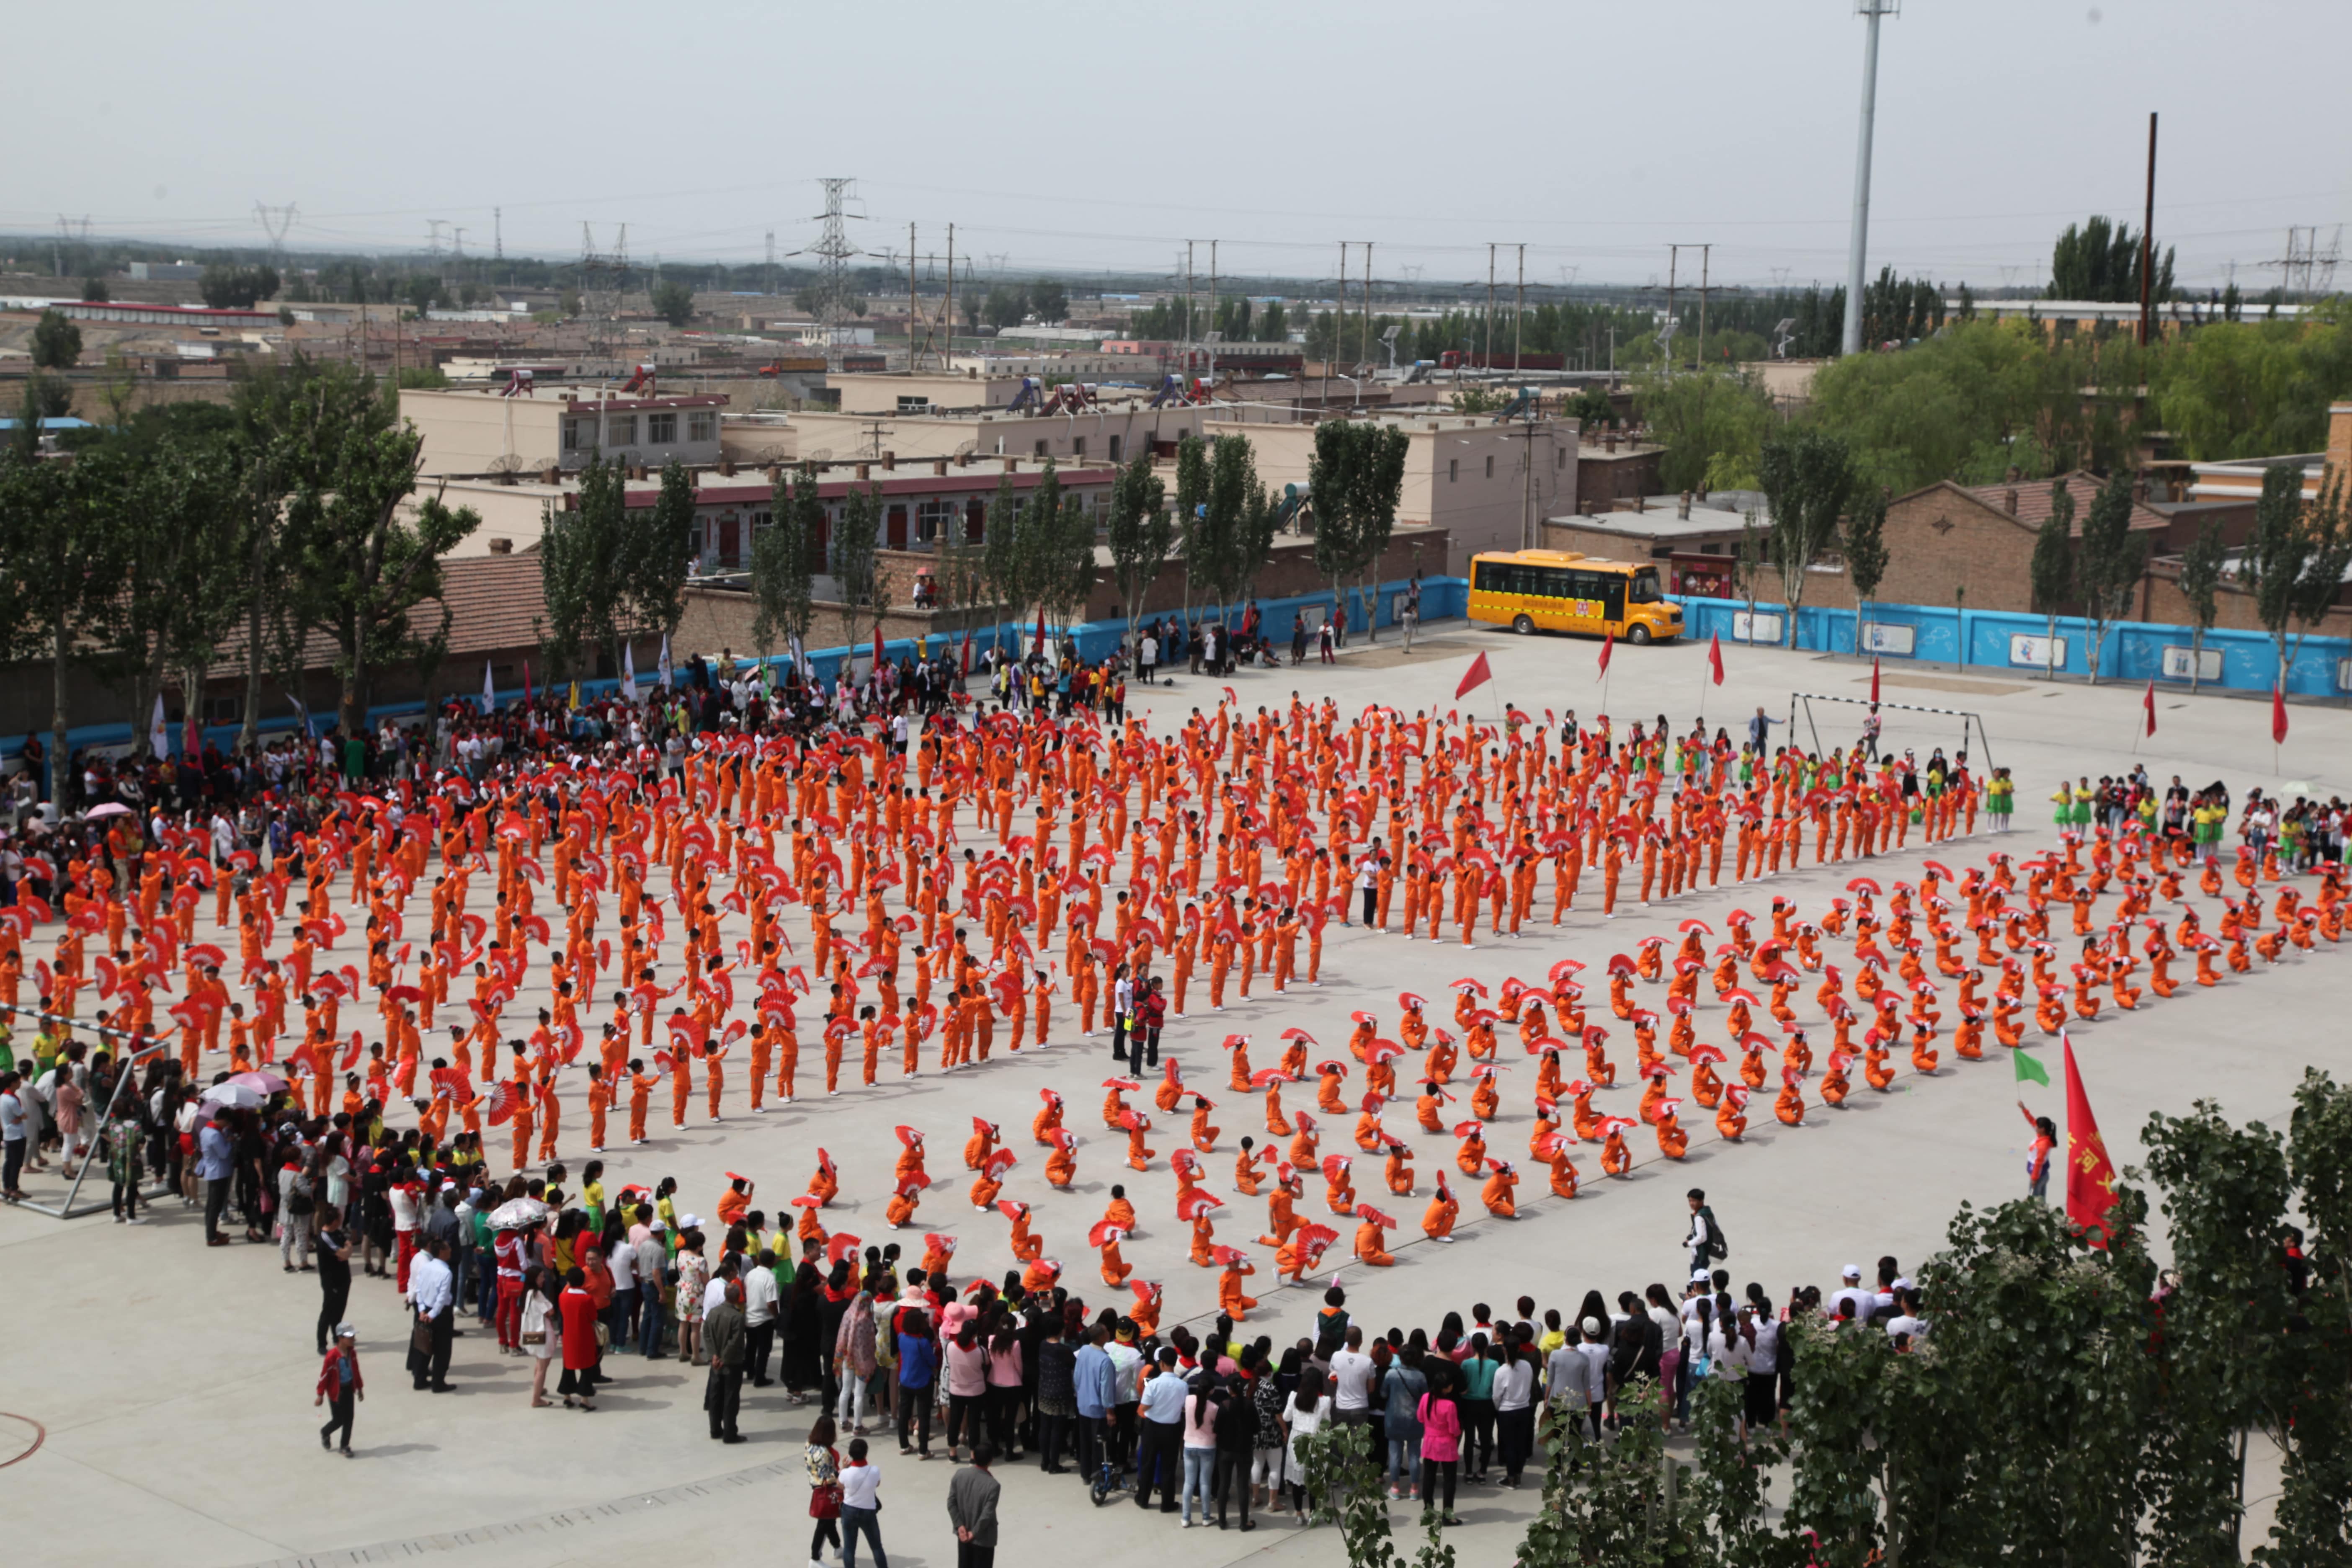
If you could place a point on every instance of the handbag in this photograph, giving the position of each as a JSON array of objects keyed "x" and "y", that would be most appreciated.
[
  {"x": 825, "y": 1501},
  {"x": 420, "y": 1338},
  {"x": 603, "y": 1336}
]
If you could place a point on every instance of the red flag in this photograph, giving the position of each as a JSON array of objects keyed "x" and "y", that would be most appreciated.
[
  {"x": 1874, "y": 682},
  {"x": 2278, "y": 714},
  {"x": 2090, "y": 1175},
  {"x": 1608, "y": 645},
  {"x": 1477, "y": 675},
  {"x": 1037, "y": 648},
  {"x": 1715, "y": 658},
  {"x": 877, "y": 649},
  {"x": 2148, "y": 702},
  {"x": 191, "y": 734},
  {"x": 967, "y": 650}
]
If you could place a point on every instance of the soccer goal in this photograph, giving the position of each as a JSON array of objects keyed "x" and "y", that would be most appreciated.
[{"x": 1932, "y": 726}]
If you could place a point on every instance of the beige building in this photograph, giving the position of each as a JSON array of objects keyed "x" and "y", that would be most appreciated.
[
  {"x": 481, "y": 432},
  {"x": 1488, "y": 486},
  {"x": 1113, "y": 434},
  {"x": 2242, "y": 479}
]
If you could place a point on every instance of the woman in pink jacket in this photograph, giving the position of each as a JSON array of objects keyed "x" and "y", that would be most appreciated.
[{"x": 1441, "y": 1435}]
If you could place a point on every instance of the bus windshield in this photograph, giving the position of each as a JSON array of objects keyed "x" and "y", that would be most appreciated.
[{"x": 1644, "y": 590}]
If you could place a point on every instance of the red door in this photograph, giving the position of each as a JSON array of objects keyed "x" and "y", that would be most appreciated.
[
  {"x": 731, "y": 541},
  {"x": 895, "y": 529}
]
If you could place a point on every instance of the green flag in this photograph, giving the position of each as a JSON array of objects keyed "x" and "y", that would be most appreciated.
[{"x": 2029, "y": 1070}]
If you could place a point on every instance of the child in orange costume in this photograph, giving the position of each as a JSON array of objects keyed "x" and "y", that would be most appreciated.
[
  {"x": 809, "y": 1228},
  {"x": 1239, "y": 1081},
  {"x": 1673, "y": 1141},
  {"x": 1026, "y": 1248},
  {"x": 1114, "y": 1105},
  {"x": 1204, "y": 1231},
  {"x": 716, "y": 1078},
  {"x": 1789, "y": 1105},
  {"x": 1329, "y": 1075},
  {"x": 1048, "y": 1121},
  {"x": 1874, "y": 1070},
  {"x": 1230, "y": 1299},
  {"x": 1114, "y": 1268},
  {"x": 1369, "y": 1237},
  {"x": 1563, "y": 1169},
  {"x": 1731, "y": 1116},
  {"x": 1437, "y": 1219},
  {"x": 1615, "y": 1159},
  {"x": 990, "y": 1180},
  {"x": 1139, "y": 1158},
  {"x": 1039, "y": 1277},
  {"x": 1205, "y": 1137},
  {"x": 1835, "y": 1085},
  {"x": 980, "y": 1144},
  {"x": 1170, "y": 1092},
  {"x": 1145, "y": 1314},
  {"x": 1297, "y": 1257},
  {"x": 1338, "y": 1185},
  {"x": 1280, "y": 1217},
  {"x": 1062, "y": 1164},
  {"x": 904, "y": 1201},
  {"x": 910, "y": 1154},
  {"x": 938, "y": 1256},
  {"x": 600, "y": 1100},
  {"x": 1597, "y": 1066},
  {"x": 1277, "y": 1120},
  {"x": 1245, "y": 1169},
  {"x": 1498, "y": 1194},
  {"x": 825, "y": 1185},
  {"x": 1119, "y": 1212},
  {"x": 1398, "y": 1171},
  {"x": 1923, "y": 1057}
]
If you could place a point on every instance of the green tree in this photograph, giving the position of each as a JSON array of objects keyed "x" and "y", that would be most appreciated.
[
  {"x": 1233, "y": 475},
  {"x": 363, "y": 569},
  {"x": 2108, "y": 564},
  {"x": 57, "y": 341},
  {"x": 784, "y": 561},
  {"x": 1005, "y": 305},
  {"x": 1712, "y": 423},
  {"x": 2100, "y": 259},
  {"x": 47, "y": 397},
  {"x": 1002, "y": 562},
  {"x": 657, "y": 557},
  {"x": 1140, "y": 534},
  {"x": 1195, "y": 541},
  {"x": 1049, "y": 300},
  {"x": 579, "y": 558},
  {"x": 2201, "y": 582},
  {"x": 2051, "y": 572},
  {"x": 674, "y": 303},
  {"x": 55, "y": 536},
  {"x": 855, "y": 575},
  {"x": 94, "y": 291},
  {"x": 1806, "y": 476},
  {"x": 2315, "y": 1506},
  {"x": 1057, "y": 543},
  {"x": 1864, "y": 545},
  {"x": 240, "y": 288},
  {"x": 2295, "y": 560},
  {"x": 2234, "y": 389},
  {"x": 1273, "y": 324},
  {"x": 177, "y": 516}
]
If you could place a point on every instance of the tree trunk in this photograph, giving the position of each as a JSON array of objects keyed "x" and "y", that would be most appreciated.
[
  {"x": 62, "y": 782},
  {"x": 350, "y": 713},
  {"x": 2196, "y": 653},
  {"x": 249, "y": 738},
  {"x": 2049, "y": 645}
]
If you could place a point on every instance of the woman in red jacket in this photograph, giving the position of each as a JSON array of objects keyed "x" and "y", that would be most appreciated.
[
  {"x": 581, "y": 1351},
  {"x": 339, "y": 1381}
]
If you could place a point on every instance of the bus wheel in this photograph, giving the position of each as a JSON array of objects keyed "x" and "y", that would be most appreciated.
[
  {"x": 1637, "y": 634},
  {"x": 1523, "y": 625}
]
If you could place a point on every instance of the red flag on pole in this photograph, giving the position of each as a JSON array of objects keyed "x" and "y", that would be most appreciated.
[
  {"x": 1715, "y": 658},
  {"x": 2278, "y": 714},
  {"x": 1874, "y": 682},
  {"x": 1477, "y": 675},
  {"x": 878, "y": 650},
  {"x": 1608, "y": 643},
  {"x": 192, "y": 733},
  {"x": 2090, "y": 1175},
  {"x": 2148, "y": 702},
  {"x": 967, "y": 650},
  {"x": 1037, "y": 648}
]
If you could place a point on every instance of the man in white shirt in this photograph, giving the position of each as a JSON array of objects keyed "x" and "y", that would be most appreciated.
[
  {"x": 760, "y": 1297},
  {"x": 1907, "y": 1319},
  {"x": 1576, "y": 1377},
  {"x": 1352, "y": 1381},
  {"x": 432, "y": 1291},
  {"x": 1865, "y": 1301}
]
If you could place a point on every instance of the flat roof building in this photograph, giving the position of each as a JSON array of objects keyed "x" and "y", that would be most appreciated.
[{"x": 480, "y": 432}]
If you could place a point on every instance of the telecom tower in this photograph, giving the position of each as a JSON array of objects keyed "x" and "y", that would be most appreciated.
[{"x": 832, "y": 251}]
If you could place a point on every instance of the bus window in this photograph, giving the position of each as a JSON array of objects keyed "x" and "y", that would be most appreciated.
[{"x": 1645, "y": 588}]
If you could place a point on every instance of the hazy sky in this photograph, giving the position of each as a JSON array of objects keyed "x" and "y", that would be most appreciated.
[{"x": 1105, "y": 135}]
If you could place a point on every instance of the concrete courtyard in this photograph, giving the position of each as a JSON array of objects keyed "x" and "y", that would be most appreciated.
[{"x": 159, "y": 1394}]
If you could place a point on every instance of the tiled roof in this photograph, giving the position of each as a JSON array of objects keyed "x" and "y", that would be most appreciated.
[
  {"x": 2033, "y": 501},
  {"x": 492, "y": 600}
]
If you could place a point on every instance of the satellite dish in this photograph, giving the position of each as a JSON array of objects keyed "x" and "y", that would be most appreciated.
[
  {"x": 966, "y": 448},
  {"x": 820, "y": 455}
]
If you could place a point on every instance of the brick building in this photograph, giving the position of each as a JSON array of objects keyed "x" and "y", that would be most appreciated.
[{"x": 1948, "y": 538}]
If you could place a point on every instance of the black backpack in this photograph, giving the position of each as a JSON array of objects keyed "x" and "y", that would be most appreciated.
[{"x": 1716, "y": 1248}]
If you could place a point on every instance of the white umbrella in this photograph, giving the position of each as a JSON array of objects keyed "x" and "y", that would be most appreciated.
[
  {"x": 110, "y": 808},
  {"x": 517, "y": 1212},
  {"x": 236, "y": 1096}
]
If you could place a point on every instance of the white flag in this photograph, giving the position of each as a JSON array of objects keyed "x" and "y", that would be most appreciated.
[
  {"x": 629, "y": 670},
  {"x": 158, "y": 740},
  {"x": 664, "y": 661},
  {"x": 489, "y": 692}
]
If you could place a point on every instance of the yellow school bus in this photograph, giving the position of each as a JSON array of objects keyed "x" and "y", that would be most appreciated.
[{"x": 1563, "y": 591}]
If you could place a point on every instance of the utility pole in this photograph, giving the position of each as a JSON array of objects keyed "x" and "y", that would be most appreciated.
[
  {"x": 1364, "y": 337},
  {"x": 911, "y": 350},
  {"x": 1338, "y": 323},
  {"x": 2146, "y": 228},
  {"x": 498, "y": 234},
  {"x": 1519, "y": 320},
  {"x": 1872, "y": 11},
  {"x": 1184, "y": 351},
  {"x": 1674, "y": 256},
  {"x": 1705, "y": 253},
  {"x": 951, "y": 300},
  {"x": 1490, "y": 306},
  {"x": 1213, "y": 333}
]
